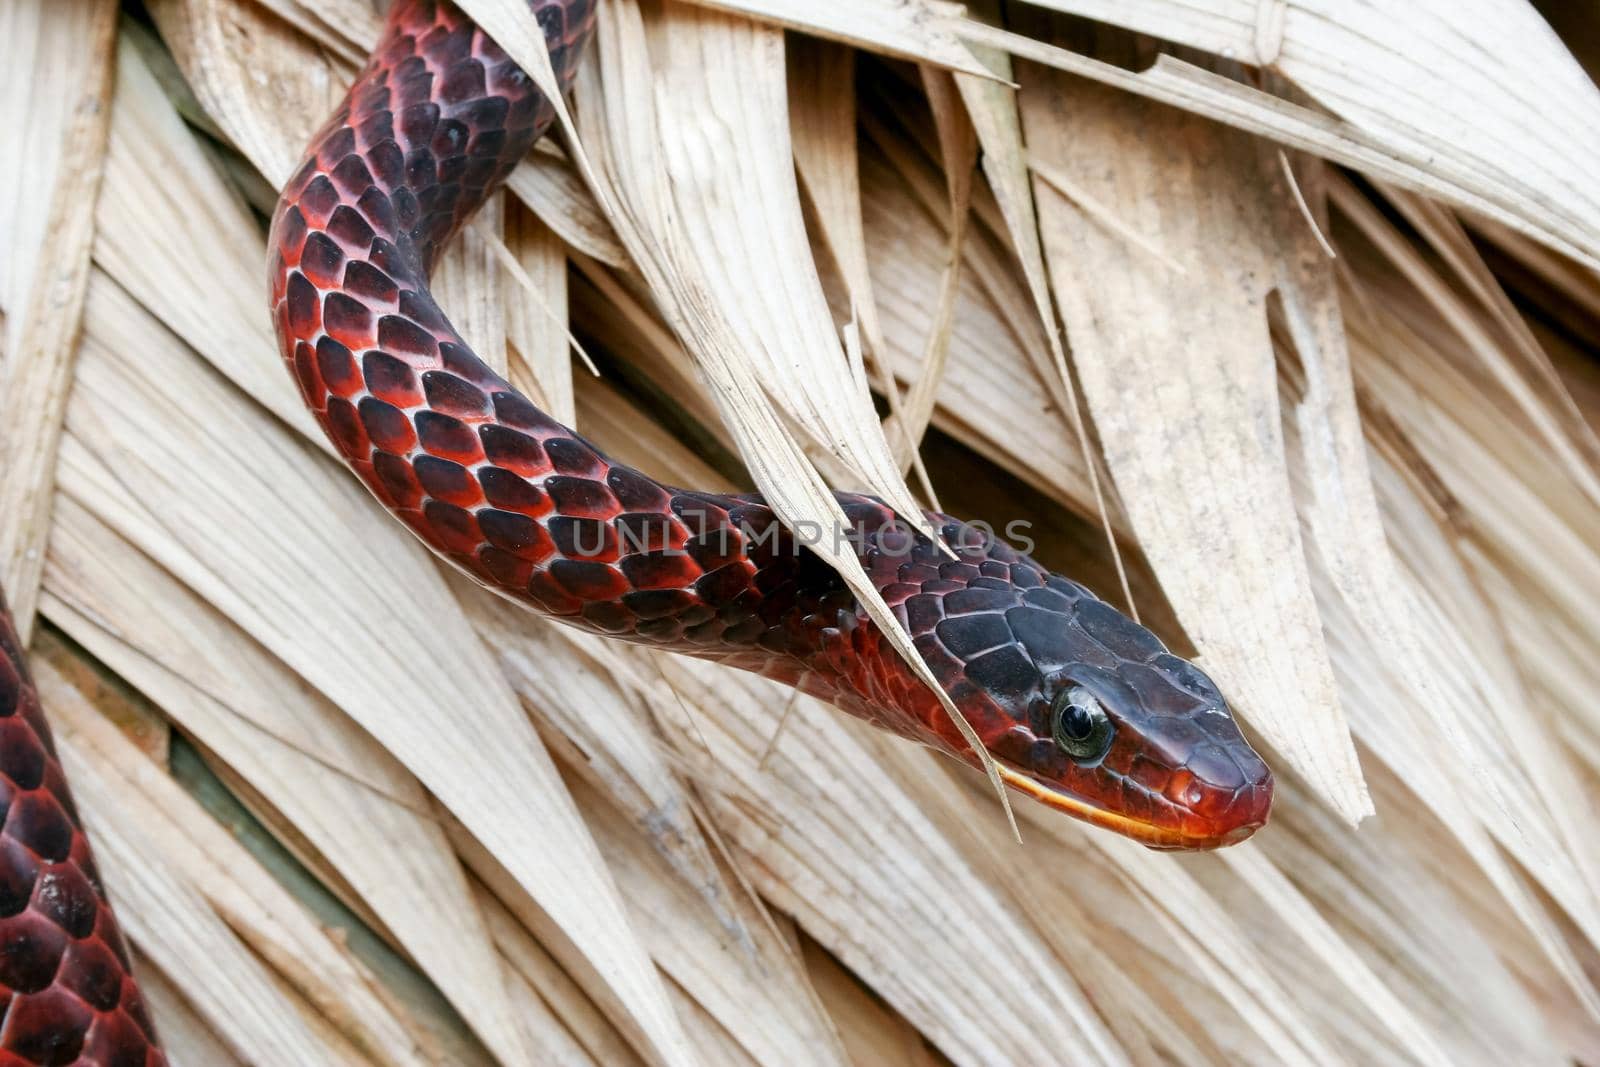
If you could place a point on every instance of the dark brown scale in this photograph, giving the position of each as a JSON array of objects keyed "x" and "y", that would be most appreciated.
[{"x": 436, "y": 121}]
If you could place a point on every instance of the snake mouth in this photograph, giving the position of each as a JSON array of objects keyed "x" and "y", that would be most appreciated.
[{"x": 1160, "y": 837}]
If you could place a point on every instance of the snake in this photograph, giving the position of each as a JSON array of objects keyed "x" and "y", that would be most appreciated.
[{"x": 1078, "y": 706}]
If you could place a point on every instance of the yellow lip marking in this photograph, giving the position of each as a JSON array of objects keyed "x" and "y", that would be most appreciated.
[{"x": 1142, "y": 832}]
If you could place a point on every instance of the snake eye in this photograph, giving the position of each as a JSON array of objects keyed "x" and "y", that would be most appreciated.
[{"x": 1081, "y": 726}]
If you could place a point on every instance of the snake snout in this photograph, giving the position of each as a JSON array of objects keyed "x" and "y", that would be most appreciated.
[{"x": 1226, "y": 794}]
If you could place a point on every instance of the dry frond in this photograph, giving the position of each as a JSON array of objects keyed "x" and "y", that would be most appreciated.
[{"x": 1280, "y": 320}]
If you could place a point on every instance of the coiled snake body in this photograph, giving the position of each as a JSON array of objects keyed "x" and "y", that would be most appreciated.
[{"x": 1080, "y": 707}]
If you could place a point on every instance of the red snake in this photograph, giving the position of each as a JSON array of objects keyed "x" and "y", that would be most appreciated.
[{"x": 1079, "y": 706}]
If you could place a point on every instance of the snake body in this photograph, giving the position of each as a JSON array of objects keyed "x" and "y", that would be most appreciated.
[
  {"x": 1079, "y": 706},
  {"x": 433, "y": 124},
  {"x": 67, "y": 993}
]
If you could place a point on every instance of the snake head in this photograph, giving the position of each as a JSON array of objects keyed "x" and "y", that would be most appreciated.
[
  {"x": 1081, "y": 707},
  {"x": 1145, "y": 746}
]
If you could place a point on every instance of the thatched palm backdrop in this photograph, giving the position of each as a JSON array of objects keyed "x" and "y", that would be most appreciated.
[{"x": 1277, "y": 320}]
